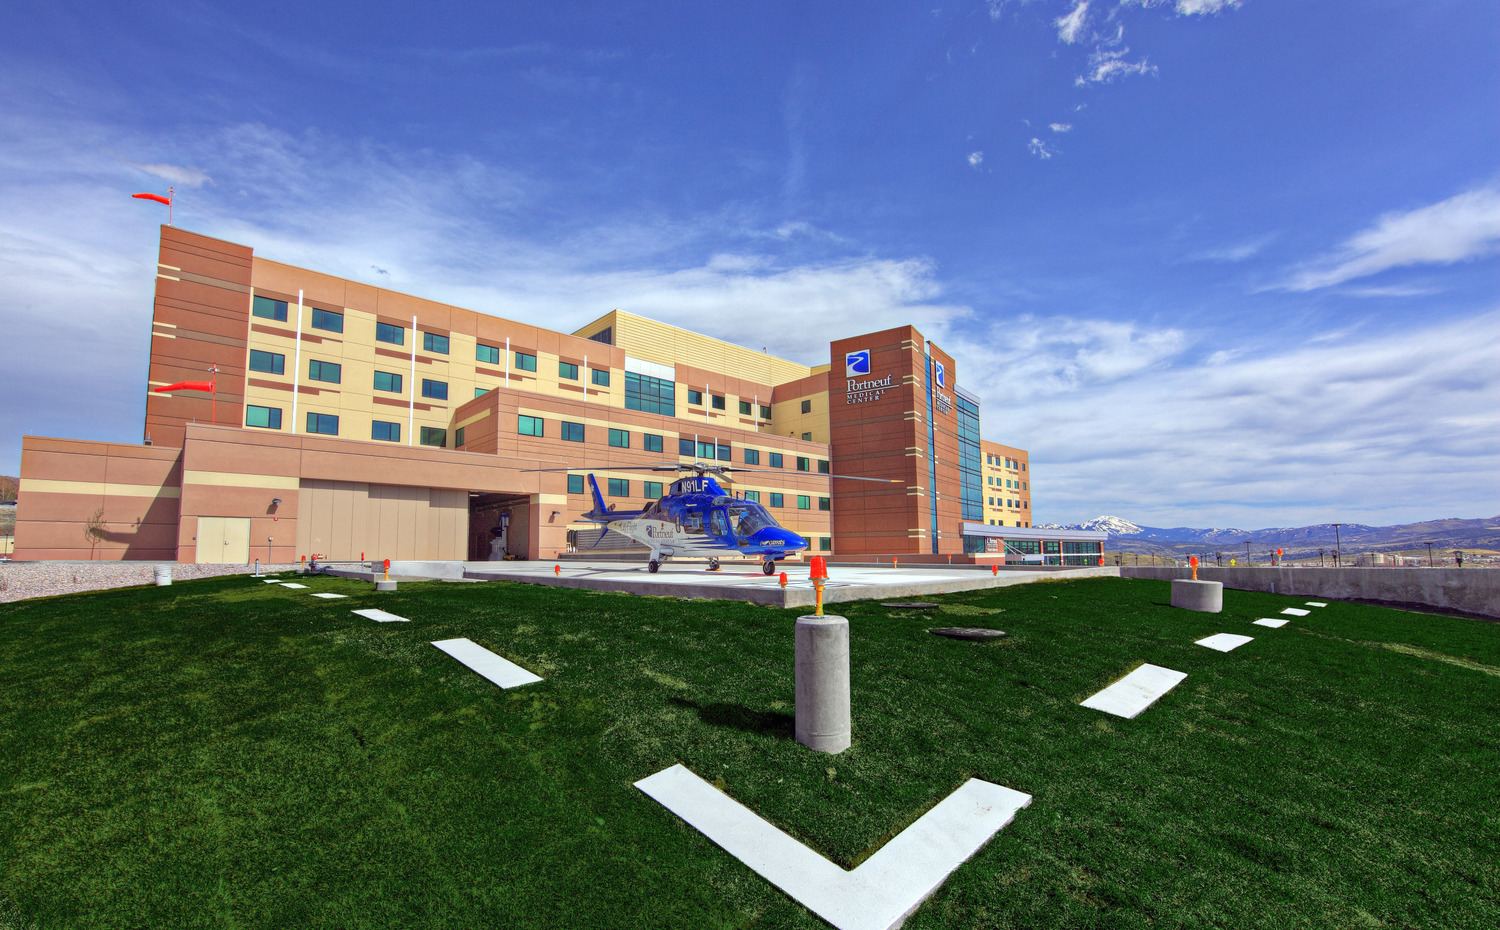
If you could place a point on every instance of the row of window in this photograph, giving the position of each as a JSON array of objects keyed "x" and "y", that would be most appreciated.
[
  {"x": 620, "y": 487},
  {"x": 1002, "y": 523},
  {"x": 1014, "y": 485},
  {"x": 1004, "y": 502},
  {"x": 997, "y": 460},
  {"x": 327, "y": 424}
]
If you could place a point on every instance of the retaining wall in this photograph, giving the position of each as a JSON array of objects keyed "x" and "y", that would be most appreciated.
[{"x": 1469, "y": 590}]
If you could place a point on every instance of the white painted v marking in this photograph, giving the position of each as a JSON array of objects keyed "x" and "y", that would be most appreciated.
[{"x": 886, "y": 888}]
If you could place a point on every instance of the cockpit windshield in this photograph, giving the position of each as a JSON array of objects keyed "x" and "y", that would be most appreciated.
[{"x": 749, "y": 517}]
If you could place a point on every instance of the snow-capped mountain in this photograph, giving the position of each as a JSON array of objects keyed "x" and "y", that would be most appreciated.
[{"x": 1354, "y": 537}]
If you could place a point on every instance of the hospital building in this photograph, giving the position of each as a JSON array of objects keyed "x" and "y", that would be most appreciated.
[{"x": 350, "y": 421}]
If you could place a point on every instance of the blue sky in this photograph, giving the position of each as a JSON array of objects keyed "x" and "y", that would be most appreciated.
[{"x": 1213, "y": 263}]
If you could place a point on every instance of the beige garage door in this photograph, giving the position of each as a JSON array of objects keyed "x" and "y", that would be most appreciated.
[
  {"x": 224, "y": 539},
  {"x": 342, "y": 519}
]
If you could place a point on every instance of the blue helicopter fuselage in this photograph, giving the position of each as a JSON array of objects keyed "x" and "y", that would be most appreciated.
[{"x": 697, "y": 519}]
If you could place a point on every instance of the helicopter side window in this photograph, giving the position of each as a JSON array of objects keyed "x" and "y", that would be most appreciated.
[
  {"x": 692, "y": 522},
  {"x": 748, "y": 518},
  {"x": 719, "y": 522}
]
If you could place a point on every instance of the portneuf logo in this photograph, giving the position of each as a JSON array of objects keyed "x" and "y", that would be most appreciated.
[
  {"x": 941, "y": 374},
  {"x": 857, "y": 363}
]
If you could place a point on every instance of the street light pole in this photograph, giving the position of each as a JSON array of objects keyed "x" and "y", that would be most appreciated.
[
  {"x": 1247, "y": 553},
  {"x": 1429, "y": 554},
  {"x": 1337, "y": 545}
]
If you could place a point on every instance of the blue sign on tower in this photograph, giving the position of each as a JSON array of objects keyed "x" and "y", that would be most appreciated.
[{"x": 857, "y": 363}]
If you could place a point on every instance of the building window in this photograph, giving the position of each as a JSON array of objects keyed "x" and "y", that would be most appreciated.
[
  {"x": 718, "y": 401},
  {"x": 600, "y": 377},
  {"x": 765, "y": 412},
  {"x": 480, "y": 392},
  {"x": 650, "y": 395},
  {"x": 619, "y": 487},
  {"x": 776, "y": 499},
  {"x": 263, "y": 417},
  {"x": 328, "y": 320},
  {"x": 651, "y": 442},
  {"x": 572, "y": 432},
  {"x": 652, "y": 490},
  {"x": 744, "y": 408},
  {"x": 804, "y": 463},
  {"x": 804, "y": 502},
  {"x": 823, "y": 466},
  {"x": 270, "y": 362},
  {"x": 619, "y": 438},
  {"x": 269, "y": 309},
  {"x": 567, "y": 370},
  {"x": 825, "y": 504},
  {"x": 458, "y": 438},
  {"x": 752, "y": 456},
  {"x": 387, "y": 332},
  {"x": 437, "y": 390},
  {"x": 776, "y": 460},
  {"x": 707, "y": 450},
  {"x": 752, "y": 496},
  {"x": 807, "y": 406},
  {"x": 530, "y": 426},
  {"x": 432, "y": 342},
  {"x": 825, "y": 544},
  {"x": 432, "y": 436},
  {"x": 388, "y": 381},
  {"x": 575, "y": 484},
  {"x": 525, "y": 362},
  {"x": 490, "y": 355},
  {"x": 1025, "y": 486},
  {"x": 332, "y": 372},
  {"x": 807, "y": 437},
  {"x": 385, "y": 432},
  {"x": 726, "y": 454},
  {"x": 695, "y": 397},
  {"x": 685, "y": 447},
  {"x": 325, "y": 423}
]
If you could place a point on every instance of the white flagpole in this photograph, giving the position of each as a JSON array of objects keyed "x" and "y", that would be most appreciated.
[
  {"x": 297, "y": 363},
  {"x": 411, "y": 389}
]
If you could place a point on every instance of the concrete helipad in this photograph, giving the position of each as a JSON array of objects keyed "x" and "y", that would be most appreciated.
[{"x": 745, "y": 582}]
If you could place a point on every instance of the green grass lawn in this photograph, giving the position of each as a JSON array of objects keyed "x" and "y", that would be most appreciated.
[{"x": 232, "y": 754}]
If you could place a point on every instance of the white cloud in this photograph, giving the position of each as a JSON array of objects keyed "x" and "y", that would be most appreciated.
[
  {"x": 1187, "y": 7},
  {"x": 1460, "y": 228},
  {"x": 1108, "y": 66},
  {"x": 1060, "y": 127},
  {"x": 1039, "y": 148},
  {"x": 178, "y": 176},
  {"x": 1233, "y": 253},
  {"x": 1070, "y": 27},
  {"x": 976, "y": 159}
]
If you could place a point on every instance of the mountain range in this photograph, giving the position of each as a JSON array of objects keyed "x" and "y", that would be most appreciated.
[{"x": 1297, "y": 541}]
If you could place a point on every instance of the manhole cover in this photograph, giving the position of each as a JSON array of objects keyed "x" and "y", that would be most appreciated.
[
  {"x": 968, "y": 632},
  {"x": 907, "y": 604}
]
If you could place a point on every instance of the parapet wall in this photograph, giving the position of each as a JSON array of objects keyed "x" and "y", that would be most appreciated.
[{"x": 1469, "y": 590}]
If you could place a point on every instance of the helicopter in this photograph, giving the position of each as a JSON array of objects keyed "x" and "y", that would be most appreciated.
[{"x": 696, "y": 518}]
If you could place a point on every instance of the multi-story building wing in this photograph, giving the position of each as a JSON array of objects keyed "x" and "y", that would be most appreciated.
[{"x": 349, "y": 420}]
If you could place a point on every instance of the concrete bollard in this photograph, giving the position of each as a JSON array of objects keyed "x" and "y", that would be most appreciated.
[
  {"x": 1205, "y": 596},
  {"x": 163, "y": 574},
  {"x": 822, "y": 673},
  {"x": 386, "y": 585}
]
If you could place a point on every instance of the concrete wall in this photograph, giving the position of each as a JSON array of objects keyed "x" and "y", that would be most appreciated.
[{"x": 1470, "y": 590}]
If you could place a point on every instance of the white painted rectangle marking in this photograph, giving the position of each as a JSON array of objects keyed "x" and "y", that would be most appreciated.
[
  {"x": 1296, "y": 611},
  {"x": 885, "y": 888},
  {"x": 1224, "y": 642},
  {"x": 498, "y": 669},
  {"x": 1317, "y": 604},
  {"x": 273, "y": 581},
  {"x": 1136, "y": 691},
  {"x": 1273, "y": 624},
  {"x": 380, "y": 616},
  {"x": 291, "y": 584},
  {"x": 325, "y": 594}
]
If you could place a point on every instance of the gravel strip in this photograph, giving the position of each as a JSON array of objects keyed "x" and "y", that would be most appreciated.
[{"x": 22, "y": 580}]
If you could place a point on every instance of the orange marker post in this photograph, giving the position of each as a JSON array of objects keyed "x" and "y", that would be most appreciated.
[
  {"x": 783, "y": 581},
  {"x": 387, "y": 569},
  {"x": 994, "y": 571},
  {"x": 819, "y": 575},
  {"x": 1194, "y": 562},
  {"x": 557, "y": 571}
]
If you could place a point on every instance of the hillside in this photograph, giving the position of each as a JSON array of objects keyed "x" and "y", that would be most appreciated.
[{"x": 1299, "y": 541}]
